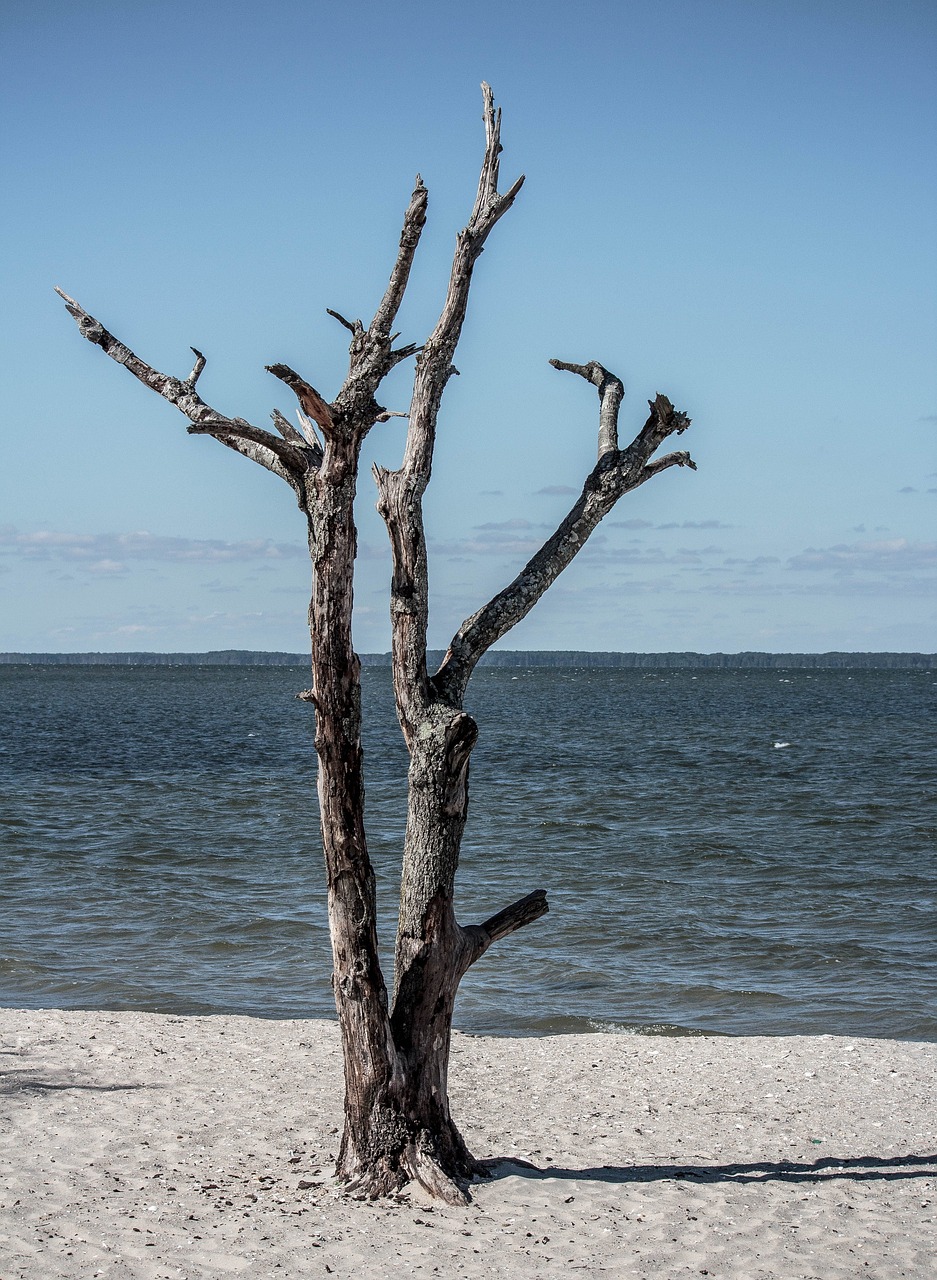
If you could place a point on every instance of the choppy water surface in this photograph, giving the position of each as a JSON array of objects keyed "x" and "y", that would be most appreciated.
[{"x": 727, "y": 851}]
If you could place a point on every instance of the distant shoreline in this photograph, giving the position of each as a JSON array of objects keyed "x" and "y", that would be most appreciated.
[{"x": 505, "y": 658}]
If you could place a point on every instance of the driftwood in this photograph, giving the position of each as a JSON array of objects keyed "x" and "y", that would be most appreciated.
[{"x": 396, "y": 1051}]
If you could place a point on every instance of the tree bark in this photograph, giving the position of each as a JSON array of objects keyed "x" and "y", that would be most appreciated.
[{"x": 398, "y": 1125}]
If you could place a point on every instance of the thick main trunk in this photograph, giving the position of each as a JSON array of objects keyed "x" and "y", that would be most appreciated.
[
  {"x": 397, "y": 1121},
  {"x": 360, "y": 992},
  {"x": 433, "y": 951}
]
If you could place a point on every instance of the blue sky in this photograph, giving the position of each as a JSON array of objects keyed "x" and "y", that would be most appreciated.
[{"x": 732, "y": 203}]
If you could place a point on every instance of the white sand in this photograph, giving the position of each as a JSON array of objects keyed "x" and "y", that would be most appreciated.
[{"x": 142, "y": 1145}]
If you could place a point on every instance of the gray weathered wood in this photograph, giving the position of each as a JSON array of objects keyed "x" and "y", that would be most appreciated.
[{"x": 396, "y": 1051}]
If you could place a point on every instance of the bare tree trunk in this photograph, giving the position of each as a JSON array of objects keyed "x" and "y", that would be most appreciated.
[
  {"x": 360, "y": 993},
  {"x": 397, "y": 1121}
]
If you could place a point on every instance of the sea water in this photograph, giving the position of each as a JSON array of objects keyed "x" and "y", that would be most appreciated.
[{"x": 742, "y": 851}]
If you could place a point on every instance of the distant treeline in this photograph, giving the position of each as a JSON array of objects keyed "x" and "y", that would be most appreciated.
[{"x": 501, "y": 658}]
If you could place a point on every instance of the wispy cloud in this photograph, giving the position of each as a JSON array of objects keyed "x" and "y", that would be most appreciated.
[
  {"x": 509, "y": 538},
  {"x": 695, "y": 524},
  {"x": 491, "y": 541},
  {"x": 559, "y": 489},
  {"x": 505, "y": 525},
  {"x": 750, "y": 564},
  {"x": 671, "y": 524},
  {"x": 166, "y": 625},
  {"x": 108, "y": 553},
  {"x": 889, "y": 556}
]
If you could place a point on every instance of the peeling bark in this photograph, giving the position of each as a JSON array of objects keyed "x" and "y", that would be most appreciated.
[{"x": 398, "y": 1125}]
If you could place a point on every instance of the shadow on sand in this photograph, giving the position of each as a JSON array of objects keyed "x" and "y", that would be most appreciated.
[
  {"x": 34, "y": 1082},
  {"x": 859, "y": 1169}
]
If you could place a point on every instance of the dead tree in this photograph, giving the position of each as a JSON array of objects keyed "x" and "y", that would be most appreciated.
[{"x": 396, "y": 1052}]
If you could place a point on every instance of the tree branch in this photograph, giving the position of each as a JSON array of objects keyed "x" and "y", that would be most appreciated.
[
  {"x": 371, "y": 353},
  {"x": 401, "y": 492},
  {"x": 434, "y": 366},
  {"x": 310, "y": 401},
  {"x": 611, "y": 394},
  {"x": 617, "y": 472},
  {"x": 413, "y": 223},
  {"x": 258, "y": 453},
  {"x": 681, "y": 459},
  {"x": 200, "y": 363},
  {"x": 287, "y": 430},
  {"x": 523, "y": 912},
  {"x": 353, "y": 326},
  {"x": 284, "y": 460}
]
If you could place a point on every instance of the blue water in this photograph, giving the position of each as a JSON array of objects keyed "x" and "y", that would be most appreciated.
[{"x": 159, "y": 846}]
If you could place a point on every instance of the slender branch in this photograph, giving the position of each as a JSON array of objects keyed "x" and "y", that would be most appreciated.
[
  {"x": 312, "y": 403},
  {"x": 256, "y": 453},
  {"x": 371, "y": 353},
  {"x": 404, "y": 353},
  {"x": 287, "y": 430},
  {"x": 305, "y": 439},
  {"x": 238, "y": 429},
  {"x": 611, "y": 394},
  {"x": 353, "y": 326},
  {"x": 617, "y": 472},
  {"x": 413, "y": 223},
  {"x": 681, "y": 459},
  {"x": 285, "y": 460},
  {"x": 401, "y": 492},
  {"x": 200, "y": 363},
  {"x": 488, "y": 180},
  {"x": 435, "y": 366}
]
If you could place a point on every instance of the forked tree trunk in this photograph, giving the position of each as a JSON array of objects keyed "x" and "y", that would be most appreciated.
[
  {"x": 397, "y": 1122},
  {"x": 396, "y": 1056}
]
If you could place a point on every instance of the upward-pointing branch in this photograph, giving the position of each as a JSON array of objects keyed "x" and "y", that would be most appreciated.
[
  {"x": 310, "y": 401},
  {"x": 616, "y": 473},
  {"x": 611, "y": 394},
  {"x": 434, "y": 366},
  {"x": 401, "y": 492},
  {"x": 400, "y": 499},
  {"x": 371, "y": 351},
  {"x": 413, "y": 223}
]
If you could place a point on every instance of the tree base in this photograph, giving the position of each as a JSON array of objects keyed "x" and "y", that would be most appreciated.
[{"x": 438, "y": 1161}]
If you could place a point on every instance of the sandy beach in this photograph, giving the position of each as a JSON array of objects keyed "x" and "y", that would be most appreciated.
[{"x": 147, "y": 1145}]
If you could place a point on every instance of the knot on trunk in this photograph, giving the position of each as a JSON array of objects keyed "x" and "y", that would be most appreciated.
[{"x": 461, "y": 736}]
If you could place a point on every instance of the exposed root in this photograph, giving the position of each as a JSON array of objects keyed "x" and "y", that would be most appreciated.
[
  {"x": 374, "y": 1184},
  {"x": 424, "y": 1168},
  {"x": 443, "y": 1169}
]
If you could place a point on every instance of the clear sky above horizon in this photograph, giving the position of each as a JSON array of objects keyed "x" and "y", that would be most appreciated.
[{"x": 731, "y": 203}]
